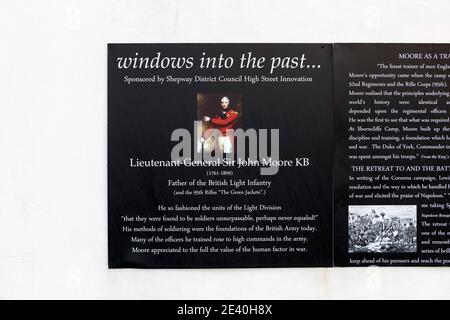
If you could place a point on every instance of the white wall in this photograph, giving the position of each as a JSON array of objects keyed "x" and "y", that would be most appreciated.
[{"x": 53, "y": 234}]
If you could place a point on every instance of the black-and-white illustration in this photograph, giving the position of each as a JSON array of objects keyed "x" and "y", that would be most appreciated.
[{"x": 382, "y": 228}]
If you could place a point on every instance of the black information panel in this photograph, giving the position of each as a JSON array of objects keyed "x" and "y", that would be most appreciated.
[
  {"x": 220, "y": 155},
  {"x": 392, "y": 165}
]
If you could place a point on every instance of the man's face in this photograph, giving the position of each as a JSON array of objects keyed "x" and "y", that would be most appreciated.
[{"x": 224, "y": 103}]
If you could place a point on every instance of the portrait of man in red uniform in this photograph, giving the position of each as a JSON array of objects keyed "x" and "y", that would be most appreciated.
[{"x": 225, "y": 119}]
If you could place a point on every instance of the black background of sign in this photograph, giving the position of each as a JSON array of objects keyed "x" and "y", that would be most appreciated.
[
  {"x": 362, "y": 58},
  {"x": 141, "y": 118}
]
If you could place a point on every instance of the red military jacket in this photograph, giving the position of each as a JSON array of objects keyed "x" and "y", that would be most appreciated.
[{"x": 225, "y": 123}]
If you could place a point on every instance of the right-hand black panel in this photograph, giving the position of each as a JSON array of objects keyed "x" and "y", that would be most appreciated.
[{"x": 392, "y": 150}]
